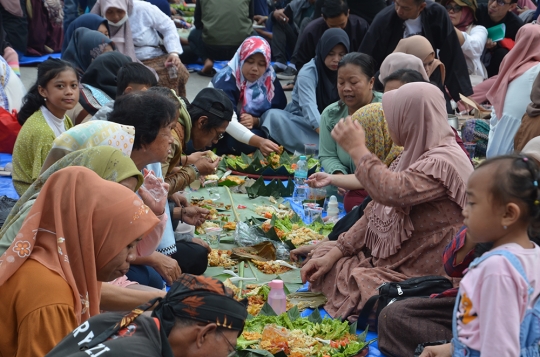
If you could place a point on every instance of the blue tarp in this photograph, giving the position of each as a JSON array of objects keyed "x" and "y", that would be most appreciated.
[{"x": 6, "y": 184}]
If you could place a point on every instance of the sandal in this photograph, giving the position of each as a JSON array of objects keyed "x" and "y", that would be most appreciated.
[{"x": 206, "y": 74}]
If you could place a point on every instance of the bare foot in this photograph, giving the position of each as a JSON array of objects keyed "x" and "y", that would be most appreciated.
[{"x": 208, "y": 65}]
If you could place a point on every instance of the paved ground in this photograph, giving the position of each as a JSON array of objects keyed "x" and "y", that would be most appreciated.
[{"x": 194, "y": 85}]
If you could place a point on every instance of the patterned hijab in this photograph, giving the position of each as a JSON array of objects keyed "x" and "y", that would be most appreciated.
[
  {"x": 416, "y": 117},
  {"x": 85, "y": 46},
  {"x": 109, "y": 163},
  {"x": 89, "y": 21},
  {"x": 78, "y": 224},
  {"x": 378, "y": 140},
  {"x": 255, "y": 97},
  {"x": 90, "y": 134}
]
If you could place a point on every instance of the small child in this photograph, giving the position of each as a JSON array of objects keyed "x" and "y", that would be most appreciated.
[
  {"x": 43, "y": 118},
  {"x": 503, "y": 208}
]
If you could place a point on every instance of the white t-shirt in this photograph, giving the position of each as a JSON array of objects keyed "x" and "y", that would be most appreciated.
[
  {"x": 413, "y": 27},
  {"x": 56, "y": 124}
]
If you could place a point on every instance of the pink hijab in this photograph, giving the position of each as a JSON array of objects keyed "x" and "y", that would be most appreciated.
[
  {"x": 120, "y": 35},
  {"x": 417, "y": 120},
  {"x": 397, "y": 60},
  {"x": 524, "y": 56}
]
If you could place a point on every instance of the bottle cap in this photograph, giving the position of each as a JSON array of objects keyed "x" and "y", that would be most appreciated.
[
  {"x": 332, "y": 199},
  {"x": 302, "y": 157},
  {"x": 276, "y": 284}
]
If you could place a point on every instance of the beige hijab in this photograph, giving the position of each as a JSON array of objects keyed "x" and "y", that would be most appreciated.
[
  {"x": 417, "y": 120},
  {"x": 397, "y": 61},
  {"x": 420, "y": 47}
]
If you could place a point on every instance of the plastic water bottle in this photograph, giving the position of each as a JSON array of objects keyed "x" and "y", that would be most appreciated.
[
  {"x": 333, "y": 209},
  {"x": 300, "y": 177},
  {"x": 276, "y": 297}
]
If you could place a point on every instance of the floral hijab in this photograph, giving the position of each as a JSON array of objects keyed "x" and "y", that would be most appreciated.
[{"x": 255, "y": 97}]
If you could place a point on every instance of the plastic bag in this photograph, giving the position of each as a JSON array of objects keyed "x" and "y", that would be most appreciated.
[
  {"x": 154, "y": 186},
  {"x": 246, "y": 235}
]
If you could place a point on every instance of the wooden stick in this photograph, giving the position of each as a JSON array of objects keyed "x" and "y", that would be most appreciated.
[
  {"x": 253, "y": 271},
  {"x": 232, "y": 205},
  {"x": 241, "y": 274}
]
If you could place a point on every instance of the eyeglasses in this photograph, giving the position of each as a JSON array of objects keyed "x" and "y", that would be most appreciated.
[
  {"x": 218, "y": 135},
  {"x": 455, "y": 8},
  {"x": 232, "y": 353},
  {"x": 500, "y": 2}
]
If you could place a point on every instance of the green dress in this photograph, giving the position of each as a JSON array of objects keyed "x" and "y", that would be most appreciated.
[{"x": 31, "y": 149}]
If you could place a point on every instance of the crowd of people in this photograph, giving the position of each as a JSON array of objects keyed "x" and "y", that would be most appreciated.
[{"x": 107, "y": 141}]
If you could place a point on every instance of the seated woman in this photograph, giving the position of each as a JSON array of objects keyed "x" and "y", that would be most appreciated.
[
  {"x": 416, "y": 207},
  {"x": 202, "y": 122},
  {"x": 43, "y": 118},
  {"x": 250, "y": 82},
  {"x": 530, "y": 127},
  {"x": 510, "y": 93},
  {"x": 89, "y": 21},
  {"x": 85, "y": 46},
  {"x": 81, "y": 231},
  {"x": 472, "y": 37},
  {"x": 12, "y": 89},
  {"x": 355, "y": 89},
  {"x": 400, "y": 61},
  {"x": 140, "y": 30},
  {"x": 315, "y": 89}
]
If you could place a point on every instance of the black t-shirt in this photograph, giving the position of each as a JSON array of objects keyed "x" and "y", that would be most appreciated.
[
  {"x": 512, "y": 21},
  {"x": 141, "y": 338}
]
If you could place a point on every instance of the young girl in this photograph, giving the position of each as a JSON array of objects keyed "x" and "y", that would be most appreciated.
[
  {"x": 250, "y": 82},
  {"x": 498, "y": 289},
  {"x": 43, "y": 118}
]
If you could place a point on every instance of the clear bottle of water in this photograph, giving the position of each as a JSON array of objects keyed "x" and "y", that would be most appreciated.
[{"x": 300, "y": 177}]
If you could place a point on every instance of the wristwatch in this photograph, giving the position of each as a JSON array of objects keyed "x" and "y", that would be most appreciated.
[{"x": 197, "y": 174}]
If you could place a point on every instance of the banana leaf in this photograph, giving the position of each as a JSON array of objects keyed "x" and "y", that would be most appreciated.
[
  {"x": 258, "y": 165},
  {"x": 306, "y": 300},
  {"x": 275, "y": 188},
  {"x": 263, "y": 251}
]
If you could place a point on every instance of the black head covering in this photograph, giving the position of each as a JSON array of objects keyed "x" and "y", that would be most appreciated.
[
  {"x": 326, "y": 90},
  {"x": 201, "y": 299},
  {"x": 103, "y": 70},
  {"x": 89, "y": 21}
]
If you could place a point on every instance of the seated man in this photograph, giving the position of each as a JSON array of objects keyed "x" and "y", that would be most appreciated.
[
  {"x": 429, "y": 19},
  {"x": 494, "y": 13},
  {"x": 220, "y": 28},
  {"x": 335, "y": 14},
  {"x": 366, "y": 9},
  {"x": 198, "y": 317},
  {"x": 288, "y": 24}
]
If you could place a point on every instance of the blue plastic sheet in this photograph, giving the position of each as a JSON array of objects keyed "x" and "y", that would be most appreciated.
[
  {"x": 30, "y": 60},
  {"x": 6, "y": 183}
]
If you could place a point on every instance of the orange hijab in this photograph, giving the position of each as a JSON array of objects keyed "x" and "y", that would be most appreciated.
[{"x": 77, "y": 225}]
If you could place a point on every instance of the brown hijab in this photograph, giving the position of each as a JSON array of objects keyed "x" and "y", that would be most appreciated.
[
  {"x": 77, "y": 225},
  {"x": 533, "y": 110},
  {"x": 420, "y": 47},
  {"x": 417, "y": 120}
]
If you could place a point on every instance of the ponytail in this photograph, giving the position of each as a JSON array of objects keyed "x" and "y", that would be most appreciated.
[{"x": 33, "y": 100}]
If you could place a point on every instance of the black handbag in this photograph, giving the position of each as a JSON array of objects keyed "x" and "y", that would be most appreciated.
[{"x": 391, "y": 292}]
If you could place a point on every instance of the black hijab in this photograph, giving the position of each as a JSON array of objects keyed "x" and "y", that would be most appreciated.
[
  {"x": 102, "y": 72},
  {"x": 326, "y": 90}
]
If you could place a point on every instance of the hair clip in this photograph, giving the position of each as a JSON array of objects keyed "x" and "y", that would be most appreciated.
[
  {"x": 536, "y": 203},
  {"x": 525, "y": 159}
]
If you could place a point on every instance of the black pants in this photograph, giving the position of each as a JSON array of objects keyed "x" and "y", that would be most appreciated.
[
  {"x": 16, "y": 28},
  {"x": 284, "y": 38},
  {"x": 496, "y": 58},
  {"x": 204, "y": 51}
]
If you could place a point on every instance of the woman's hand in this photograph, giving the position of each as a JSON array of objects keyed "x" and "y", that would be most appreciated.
[
  {"x": 318, "y": 267},
  {"x": 319, "y": 179},
  {"x": 351, "y": 137},
  {"x": 249, "y": 121},
  {"x": 192, "y": 215},
  {"x": 166, "y": 266},
  {"x": 268, "y": 146},
  {"x": 196, "y": 156},
  {"x": 438, "y": 351},
  {"x": 206, "y": 166},
  {"x": 179, "y": 199},
  {"x": 200, "y": 242},
  {"x": 173, "y": 60},
  {"x": 157, "y": 206}
]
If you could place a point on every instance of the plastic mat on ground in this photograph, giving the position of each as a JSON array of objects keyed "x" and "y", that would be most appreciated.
[{"x": 6, "y": 183}]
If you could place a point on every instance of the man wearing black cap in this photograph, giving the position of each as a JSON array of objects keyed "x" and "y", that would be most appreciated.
[{"x": 197, "y": 318}]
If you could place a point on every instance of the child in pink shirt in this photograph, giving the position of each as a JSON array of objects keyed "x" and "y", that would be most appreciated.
[{"x": 503, "y": 208}]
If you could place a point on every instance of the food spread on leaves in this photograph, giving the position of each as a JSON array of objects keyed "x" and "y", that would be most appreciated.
[
  {"x": 221, "y": 258},
  {"x": 276, "y": 163},
  {"x": 270, "y": 267},
  {"x": 281, "y": 211}
]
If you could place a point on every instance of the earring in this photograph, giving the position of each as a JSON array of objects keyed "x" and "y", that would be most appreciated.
[
  {"x": 45, "y": 98},
  {"x": 505, "y": 227}
]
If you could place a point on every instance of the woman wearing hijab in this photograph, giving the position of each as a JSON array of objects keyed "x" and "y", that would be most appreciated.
[
  {"x": 89, "y": 21},
  {"x": 250, "y": 82},
  {"x": 315, "y": 89},
  {"x": 472, "y": 37},
  {"x": 396, "y": 61},
  {"x": 416, "y": 207},
  {"x": 85, "y": 46},
  {"x": 141, "y": 31},
  {"x": 81, "y": 231},
  {"x": 44, "y": 26},
  {"x": 511, "y": 91},
  {"x": 530, "y": 123}
]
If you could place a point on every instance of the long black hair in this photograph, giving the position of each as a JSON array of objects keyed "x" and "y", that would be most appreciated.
[{"x": 46, "y": 71}]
